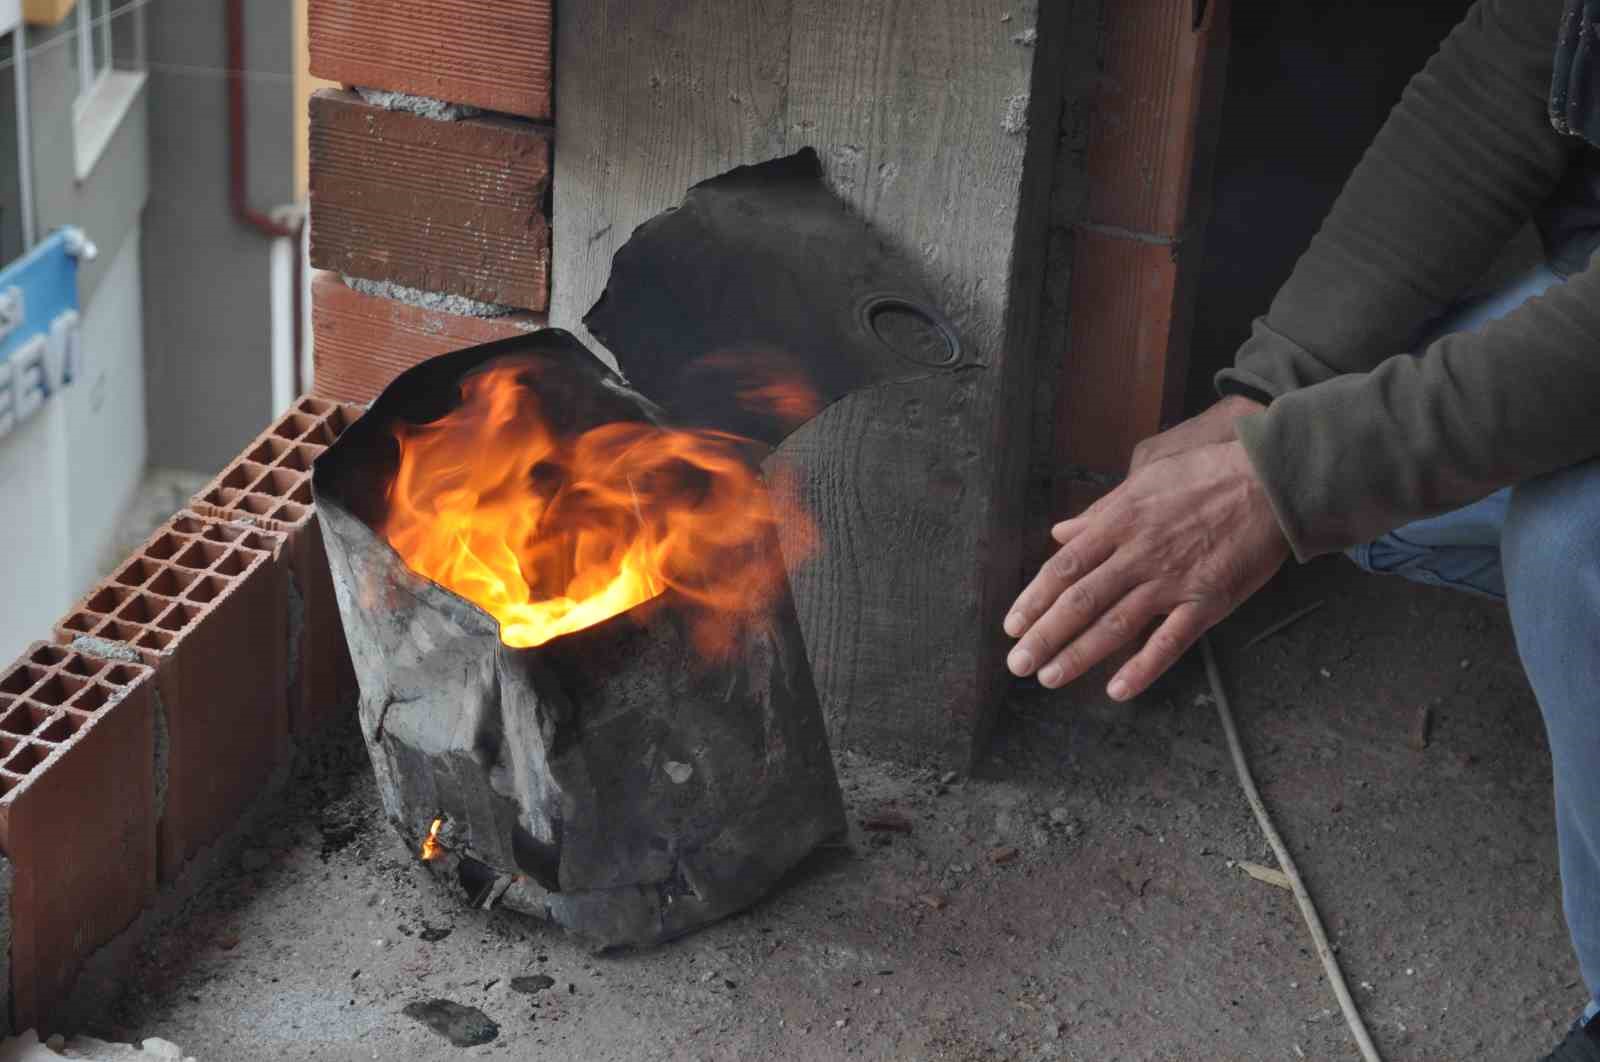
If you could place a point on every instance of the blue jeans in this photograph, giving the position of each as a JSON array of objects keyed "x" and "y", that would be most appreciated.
[{"x": 1535, "y": 546}]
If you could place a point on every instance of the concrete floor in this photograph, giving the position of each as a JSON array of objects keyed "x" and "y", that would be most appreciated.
[{"x": 1120, "y": 930}]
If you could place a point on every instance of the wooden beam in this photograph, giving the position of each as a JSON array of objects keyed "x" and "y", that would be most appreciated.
[{"x": 937, "y": 120}]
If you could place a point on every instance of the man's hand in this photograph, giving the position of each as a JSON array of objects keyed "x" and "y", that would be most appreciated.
[
  {"x": 1188, "y": 537},
  {"x": 1215, "y": 425}
]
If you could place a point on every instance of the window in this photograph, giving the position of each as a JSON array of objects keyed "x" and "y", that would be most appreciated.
[
  {"x": 109, "y": 36},
  {"x": 109, "y": 61}
]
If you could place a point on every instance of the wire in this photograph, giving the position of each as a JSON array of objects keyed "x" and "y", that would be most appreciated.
[
  {"x": 69, "y": 36},
  {"x": 1308, "y": 910},
  {"x": 216, "y": 71}
]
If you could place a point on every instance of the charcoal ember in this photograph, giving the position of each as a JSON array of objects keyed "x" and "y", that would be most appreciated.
[{"x": 558, "y": 770}]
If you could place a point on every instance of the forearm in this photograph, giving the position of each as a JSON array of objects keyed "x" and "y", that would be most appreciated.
[{"x": 1354, "y": 456}]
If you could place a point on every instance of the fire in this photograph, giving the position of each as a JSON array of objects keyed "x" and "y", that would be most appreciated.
[
  {"x": 551, "y": 533},
  {"x": 431, "y": 848}
]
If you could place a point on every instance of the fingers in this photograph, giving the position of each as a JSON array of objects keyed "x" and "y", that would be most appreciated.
[
  {"x": 1122, "y": 623},
  {"x": 1066, "y": 529},
  {"x": 1069, "y": 564},
  {"x": 1170, "y": 641},
  {"x": 1082, "y": 602}
]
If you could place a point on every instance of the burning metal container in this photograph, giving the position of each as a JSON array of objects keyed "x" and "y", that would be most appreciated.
[{"x": 583, "y": 683}]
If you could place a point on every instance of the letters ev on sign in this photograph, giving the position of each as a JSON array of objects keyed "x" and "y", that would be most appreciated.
[{"x": 40, "y": 346}]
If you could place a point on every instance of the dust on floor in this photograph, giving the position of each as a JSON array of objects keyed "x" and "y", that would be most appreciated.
[{"x": 1075, "y": 900}]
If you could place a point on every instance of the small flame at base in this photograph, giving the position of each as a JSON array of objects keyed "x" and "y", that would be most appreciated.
[{"x": 431, "y": 848}]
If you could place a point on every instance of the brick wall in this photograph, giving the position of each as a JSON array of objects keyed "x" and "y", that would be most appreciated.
[
  {"x": 436, "y": 208},
  {"x": 165, "y": 700},
  {"x": 159, "y": 705}
]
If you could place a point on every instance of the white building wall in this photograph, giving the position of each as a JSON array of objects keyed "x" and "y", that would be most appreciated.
[
  {"x": 33, "y": 509},
  {"x": 105, "y": 427},
  {"x": 67, "y": 473}
]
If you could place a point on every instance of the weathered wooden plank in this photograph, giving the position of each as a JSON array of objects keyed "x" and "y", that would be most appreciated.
[
  {"x": 937, "y": 120},
  {"x": 654, "y": 98}
]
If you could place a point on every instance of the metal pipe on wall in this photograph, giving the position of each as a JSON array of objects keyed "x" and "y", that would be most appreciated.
[
  {"x": 238, "y": 170},
  {"x": 19, "y": 67}
]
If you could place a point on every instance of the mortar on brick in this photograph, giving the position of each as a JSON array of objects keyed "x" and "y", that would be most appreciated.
[
  {"x": 436, "y": 301},
  {"x": 161, "y": 758},
  {"x": 426, "y": 106},
  {"x": 297, "y": 627},
  {"x": 7, "y": 877}
]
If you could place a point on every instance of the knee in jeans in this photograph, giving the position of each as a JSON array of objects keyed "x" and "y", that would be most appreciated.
[{"x": 1554, "y": 523}]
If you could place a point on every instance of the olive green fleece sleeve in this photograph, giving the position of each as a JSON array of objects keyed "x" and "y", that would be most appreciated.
[{"x": 1359, "y": 437}]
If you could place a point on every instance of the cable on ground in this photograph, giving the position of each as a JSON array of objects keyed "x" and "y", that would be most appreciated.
[{"x": 1308, "y": 910}]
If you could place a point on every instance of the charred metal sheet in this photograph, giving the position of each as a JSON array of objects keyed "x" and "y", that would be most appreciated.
[
  {"x": 611, "y": 780},
  {"x": 762, "y": 272}
]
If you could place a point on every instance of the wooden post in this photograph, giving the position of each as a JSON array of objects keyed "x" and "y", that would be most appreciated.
[
  {"x": 938, "y": 120},
  {"x": 1137, "y": 245}
]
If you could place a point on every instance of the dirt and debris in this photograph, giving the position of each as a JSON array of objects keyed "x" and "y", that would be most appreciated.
[
  {"x": 1421, "y": 728},
  {"x": 887, "y": 821},
  {"x": 532, "y": 983},
  {"x": 463, "y": 1026},
  {"x": 1119, "y": 930},
  {"x": 1269, "y": 875}
]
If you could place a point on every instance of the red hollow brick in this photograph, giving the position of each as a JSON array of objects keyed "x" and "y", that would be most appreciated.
[
  {"x": 269, "y": 486},
  {"x": 362, "y": 342},
  {"x": 77, "y": 813},
  {"x": 204, "y": 603},
  {"x": 490, "y": 53},
  {"x": 451, "y": 207}
]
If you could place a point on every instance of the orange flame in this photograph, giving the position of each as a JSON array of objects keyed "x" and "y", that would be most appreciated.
[
  {"x": 431, "y": 848},
  {"x": 551, "y": 534}
]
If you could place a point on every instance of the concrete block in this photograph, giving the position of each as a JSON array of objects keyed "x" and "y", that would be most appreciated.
[
  {"x": 269, "y": 486},
  {"x": 205, "y": 604},
  {"x": 78, "y": 813},
  {"x": 362, "y": 341},
  {"x": 451, "y": 207},
  {"x": 494, "y": 54}
]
